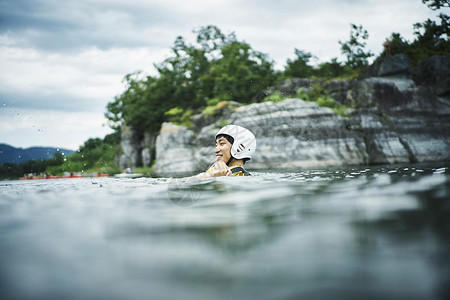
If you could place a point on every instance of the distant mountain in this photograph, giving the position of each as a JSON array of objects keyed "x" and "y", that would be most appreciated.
[{"x": 9, "y": 154}]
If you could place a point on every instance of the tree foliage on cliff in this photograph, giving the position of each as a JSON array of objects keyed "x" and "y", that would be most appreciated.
[
  {"x": 353, "y": 49},
  {"x": 215, "y": 66},
  {"x": 436, "y": 4},
  {"x": 220, "y": 67},
  {"x": 431, "y": 37},
  {"x": 301, "y": 67}
]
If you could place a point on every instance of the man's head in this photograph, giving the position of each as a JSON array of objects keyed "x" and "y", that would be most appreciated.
[
  {"x": 223, "y": 148},
  {"x": 234, "y": 142}
]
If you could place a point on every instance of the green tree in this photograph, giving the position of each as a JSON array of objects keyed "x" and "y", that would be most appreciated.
[
  {"x": 431, "y": 39},
  {"x": 299, "y": 67},
  {"x": 241, "y": 73},
  {"x": 216, "y": 66},
  {"x": 91, "y": 144},
  {"x": 128, "y": 107},
  {"x": 332, "y": 69},
  {"x": 112, "y": 138},
  {"x": 436, "y": 4},
  {"x": 398, "y": 44},
  {"x": 353, "y": 49}
]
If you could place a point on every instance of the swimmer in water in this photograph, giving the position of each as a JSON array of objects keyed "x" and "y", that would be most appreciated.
[{"x": 234, "y": 146}]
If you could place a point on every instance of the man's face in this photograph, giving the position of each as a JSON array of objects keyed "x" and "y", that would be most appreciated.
[{"x": 222, "y": 150}]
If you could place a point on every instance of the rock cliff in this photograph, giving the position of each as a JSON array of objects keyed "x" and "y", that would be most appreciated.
[{"x": 399, "y": 116}]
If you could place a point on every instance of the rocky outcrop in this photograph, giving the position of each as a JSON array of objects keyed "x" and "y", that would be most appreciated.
[
  {"x": 148, "y": 145},
  {"x": 296, "y": 134},
  {"x": 174, "y": 150},
  {"x": 130, "y": 142},
  {"x": 415, "y": 115},
  {"x": 338, "y": 89},
  {"x": 136, "y": 149},
  {"x": 435, "y": 73},
  {"x": 396, "y": 118},
  {"x": 397, "y": 65}
]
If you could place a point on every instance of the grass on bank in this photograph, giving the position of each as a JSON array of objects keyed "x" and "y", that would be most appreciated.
[{"x": 315, "y": 94}]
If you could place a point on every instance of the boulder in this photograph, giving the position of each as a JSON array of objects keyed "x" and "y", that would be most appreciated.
[
  {"x": 393, "y": 66},
  {"x": 396, "y": 65},
  {"x": 390, "y": 94},
  {"x": 435, "y": 73},
  {"x": 337, "y": 89}
]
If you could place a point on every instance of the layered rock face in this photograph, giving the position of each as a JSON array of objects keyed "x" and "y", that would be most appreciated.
[
  {"x": 130, "y": 146},
  {"x": 396, "y": 120},
  {"x": 416, "y": 116},
  {"x": 175, "y": 150},
  {"x": 136, "y": 149}
]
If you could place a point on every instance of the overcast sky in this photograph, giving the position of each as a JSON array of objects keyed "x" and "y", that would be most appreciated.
[{"x": 61, "y": 62}]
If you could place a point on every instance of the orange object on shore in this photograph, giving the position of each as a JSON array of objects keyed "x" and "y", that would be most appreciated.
[{"x": 59, "y": 177}]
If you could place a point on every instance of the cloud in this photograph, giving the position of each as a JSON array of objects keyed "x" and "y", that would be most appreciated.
[
  {"x": 50, "y": 25},
  {"x": 82, "y": 82}
]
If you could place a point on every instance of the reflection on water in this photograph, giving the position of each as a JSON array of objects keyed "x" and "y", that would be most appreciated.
[{"x": 378, "y": 232}]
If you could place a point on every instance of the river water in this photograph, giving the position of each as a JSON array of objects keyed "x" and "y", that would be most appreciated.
[{"x": 366, "y": 232}]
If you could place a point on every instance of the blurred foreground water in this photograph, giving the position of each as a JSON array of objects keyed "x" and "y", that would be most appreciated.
[{"x": 377, "y": 232}]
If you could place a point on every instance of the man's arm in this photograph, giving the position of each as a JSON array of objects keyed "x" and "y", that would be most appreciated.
[{"x": 218, "y": 169}]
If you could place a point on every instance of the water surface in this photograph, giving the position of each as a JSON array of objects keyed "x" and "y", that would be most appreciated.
[{"x": 377, "y": 232}]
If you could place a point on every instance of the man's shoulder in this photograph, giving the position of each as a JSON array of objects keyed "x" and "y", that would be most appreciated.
[{"x": 239, "y": 171}]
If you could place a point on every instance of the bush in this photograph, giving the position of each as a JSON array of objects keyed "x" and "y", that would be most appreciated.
[
  {"x": 275, "y": 97},
  {"x": 302, "y": 93},
  {"x": 318, "y": 95},
  {"x": 179, "y": 116}
]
